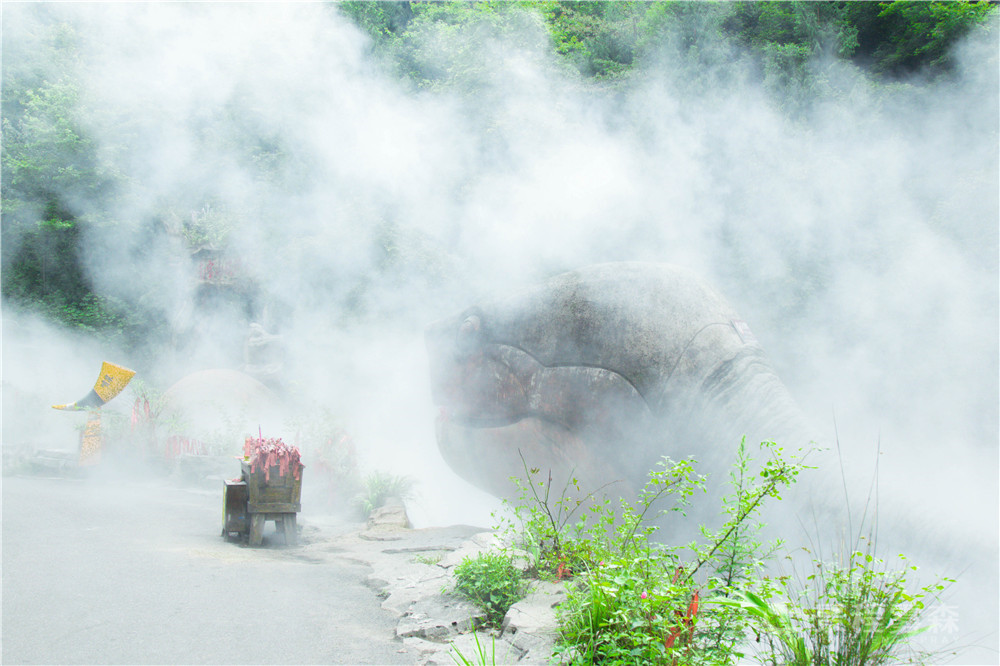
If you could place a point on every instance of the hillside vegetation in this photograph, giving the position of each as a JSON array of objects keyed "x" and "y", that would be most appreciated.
[{"x": 63, "y": 188}]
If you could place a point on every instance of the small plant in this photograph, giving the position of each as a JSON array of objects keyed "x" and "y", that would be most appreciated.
[
  {"x": 631, "y": 600},
  {"x": 853, "y": 612},
  {"x": 429, "y": 559},
  {"x": 633, "y": 603},
  {"x": 491, "y": 581},
  {"x": 636, "y": 601},
  {"x": 733, "y": 558},
  {"x": 482, "y": 658},
  {"x": 628, "y": 611},
  {"x": 569, "y": 533},
  {"x": 856, "y": 613},
  {"x": 378, "y": 488}
]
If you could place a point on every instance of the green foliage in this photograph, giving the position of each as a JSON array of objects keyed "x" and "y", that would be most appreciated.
[
  {"x": 600, "y": 38},
  {"x": 482, "y": 658},
  {"x": 632, "y": 611},
  {"x": 48, "y": 159},
  {"x": 807, "y": 27},
  {"x": 381, "y": 20},
  {"x": 458, "y": 46},
  {"x": 734, "y": 554},
  {"x": 856, "y": 613},
  {"x": 379, "y": 487},
  {"x": 643, "y": 603},
  {"x": 631, "y": 600},
  {"x": 210, "y": 226},
  {"x": 751, "y": 489},
  {"x": 59, "y": 186},
  {"x": 491, "y": 581},
  {"x": 51, "y": 178},
  {"x": 905, "y": 36}
]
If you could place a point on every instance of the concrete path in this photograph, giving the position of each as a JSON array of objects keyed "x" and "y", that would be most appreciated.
[
  {"x": 109, "y": 572},
  {"x": 96, "y": 572}
]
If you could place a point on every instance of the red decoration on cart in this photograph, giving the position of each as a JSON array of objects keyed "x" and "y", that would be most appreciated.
[{"x": 267, "y": 453}]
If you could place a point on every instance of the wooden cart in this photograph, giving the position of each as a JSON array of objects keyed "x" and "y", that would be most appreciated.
[{"x": 258, "y": 497}]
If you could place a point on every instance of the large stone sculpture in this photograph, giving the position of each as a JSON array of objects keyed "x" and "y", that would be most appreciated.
[{"x": 598, "y": 373}]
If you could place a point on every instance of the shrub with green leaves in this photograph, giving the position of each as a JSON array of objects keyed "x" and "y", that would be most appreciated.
[
  {"x": 853, "y": 613},
  {"x": 571, "y": 531},
  {"x": 630, "y": 611},
  {"x": 632, "y": 600},
  {"x": 491, "y": 581},
  {"x": 380, "y": 487}
]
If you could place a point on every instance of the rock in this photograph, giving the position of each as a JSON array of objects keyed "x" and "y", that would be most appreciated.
[
  {"x": 263, "y": 355},
  {"x": 523, "y": 560},
  {"x": 403, "y": 596},
  {"x": 426, "y": 651},
  {"x": 479, "y": 543},
  {"x": 480, "y": 647},
  {"x": 439, "y": 618},
  {"x": 530, "y": 624},
  {"x": 431, "y": 619},
  {"x": 487, "y": 540},
  {"x": 390, "y": 517},
  {"x": 483, "y": 647},
  {"x": 595, "y": 374}
]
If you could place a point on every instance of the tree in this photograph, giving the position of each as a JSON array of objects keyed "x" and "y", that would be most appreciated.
[
  {"x": 52, "y": 183},
  {"x": 902, "y": 37}
]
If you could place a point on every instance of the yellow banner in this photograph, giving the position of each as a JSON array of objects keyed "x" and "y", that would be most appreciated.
[{"x": 110, "y": 382}]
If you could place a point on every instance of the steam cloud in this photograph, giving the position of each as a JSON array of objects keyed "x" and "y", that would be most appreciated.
[{"x": 856, "y": 227}]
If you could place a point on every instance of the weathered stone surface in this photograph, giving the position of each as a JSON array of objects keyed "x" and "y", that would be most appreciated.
[
  {"x": 480, "y": 647},
  {"x": 476, "y": 544},
  {"x": 424, "y": 651},
  {"x": 417, "y": 590},
  {"x": 522, "y": 559},
  {"x": 263, "y": 355},
  {"x": 389, "y": 517},
  {"x": 439, "y": 618},
  {"x": 402, "y": 596},
  {"x": 530, "y": 624},
  {"x": 483, "y": 647}
]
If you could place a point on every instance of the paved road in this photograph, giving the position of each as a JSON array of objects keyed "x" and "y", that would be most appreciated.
[{"x": 105, "y": 572}]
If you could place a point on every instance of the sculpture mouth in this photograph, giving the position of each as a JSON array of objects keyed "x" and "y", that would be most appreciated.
[
  {"x": 489, "y": 456},
  {"x": 479, "y": 420},
  {"x": 501, "y": 409},
  {"x": 501, "y": 384}
]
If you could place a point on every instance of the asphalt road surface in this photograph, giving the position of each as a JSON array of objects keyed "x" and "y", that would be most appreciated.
[{"x": 105, "y": 571}]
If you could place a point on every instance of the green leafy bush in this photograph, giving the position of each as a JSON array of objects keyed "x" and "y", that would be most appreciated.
[
  {"x": 570, "y": 531},
  {"x": 644, "y": 602},
  {"x": 380, "y": 487},
  {"x": 855, "y": 613},
  {"x": 632, "y": 600},
  {"x": 491, "y": 581},
  {"x": 630, "y": 611}
]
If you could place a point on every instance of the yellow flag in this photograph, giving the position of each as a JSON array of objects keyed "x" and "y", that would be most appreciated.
[{"x": 110, "y": 382}]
